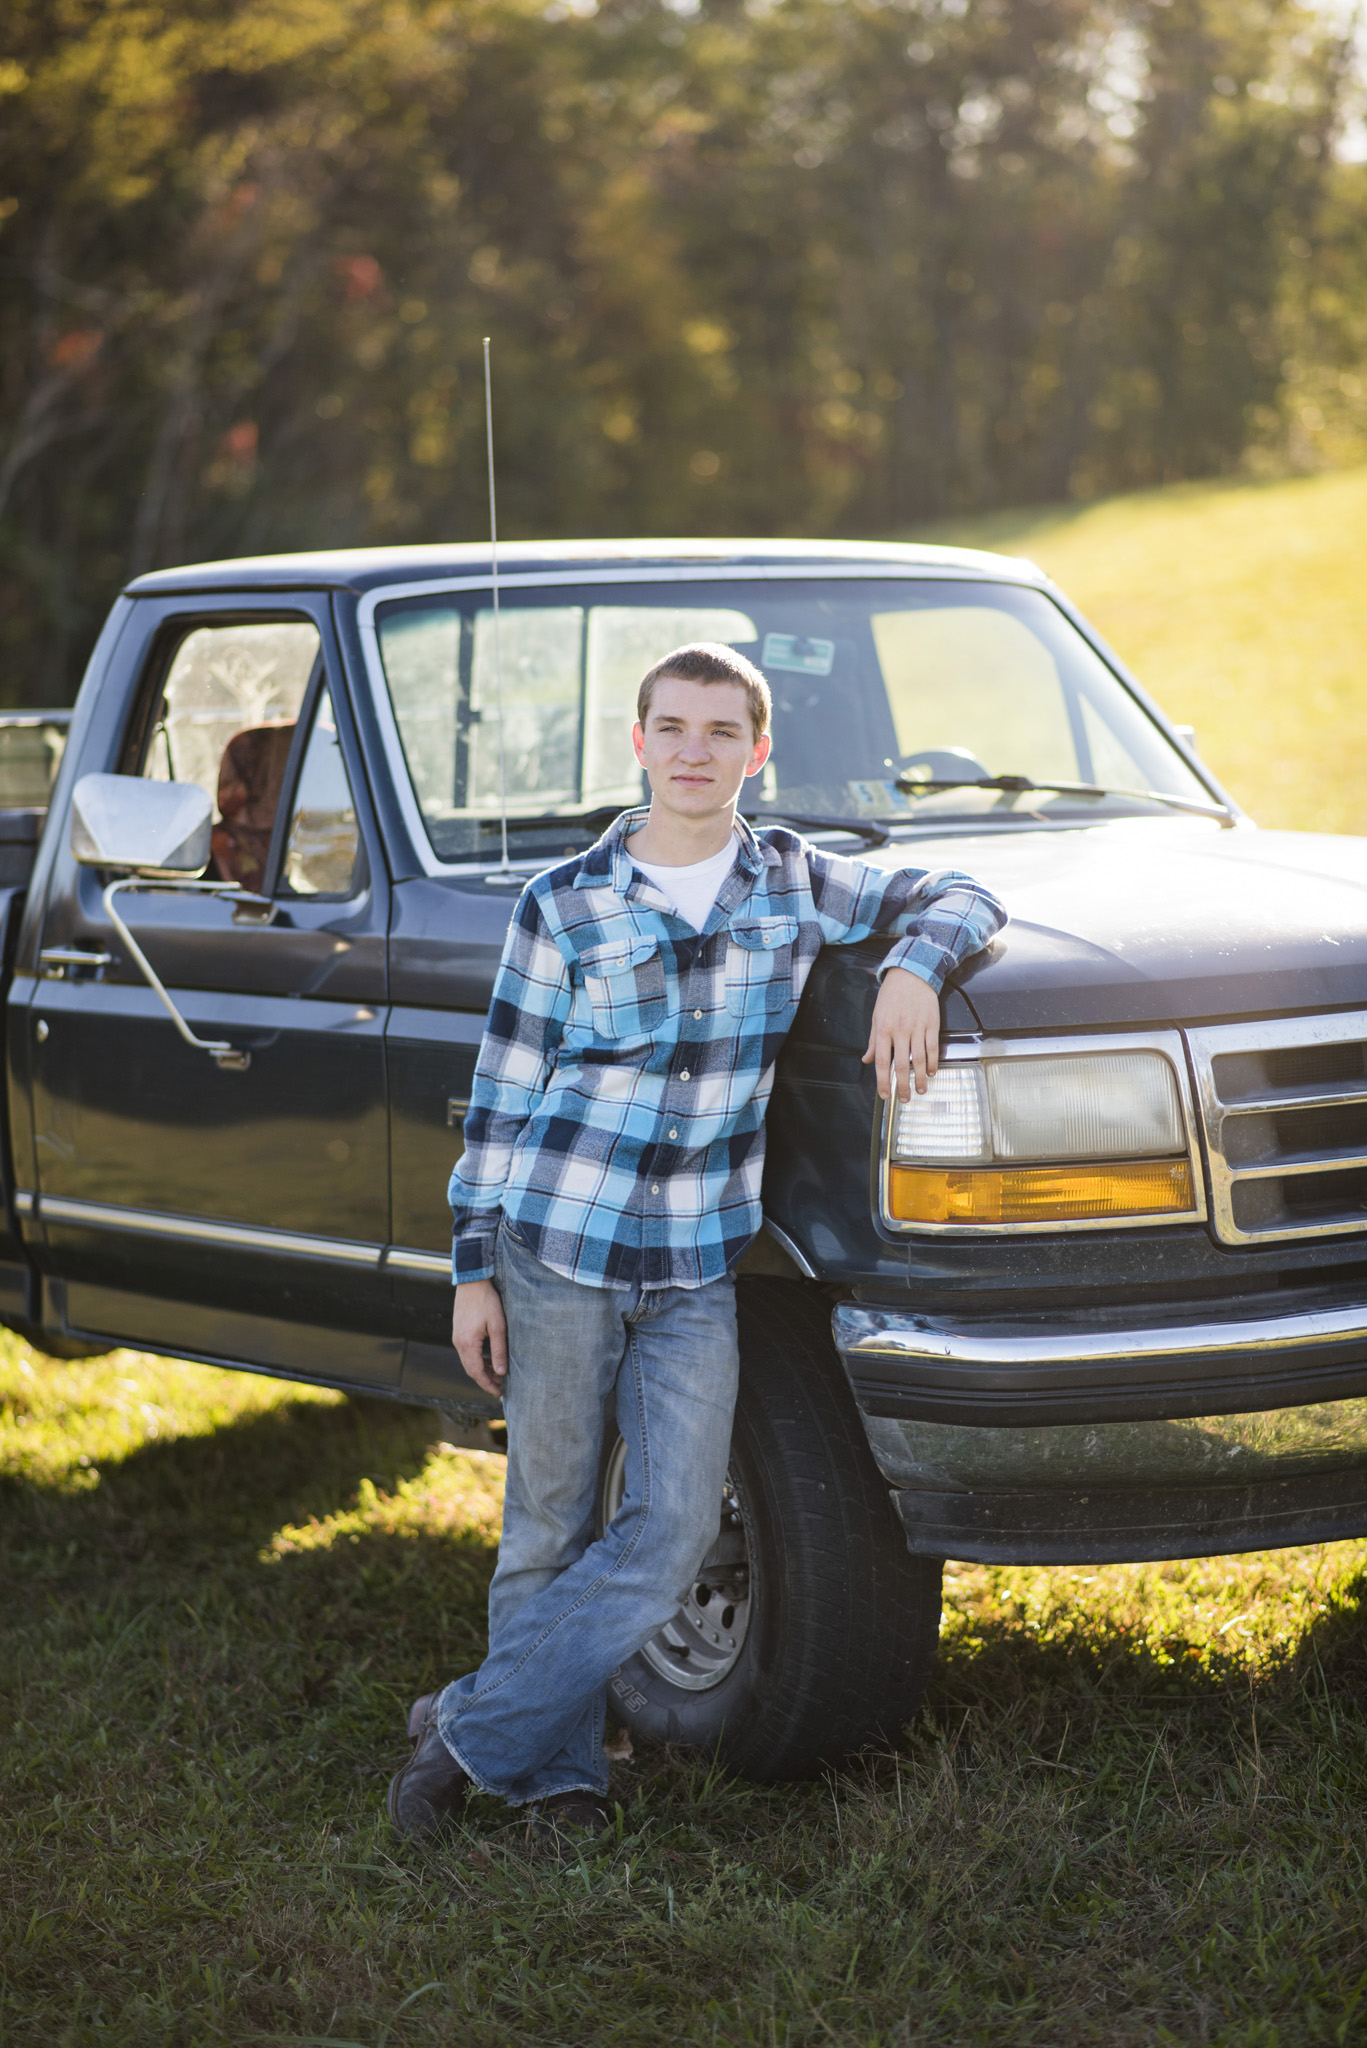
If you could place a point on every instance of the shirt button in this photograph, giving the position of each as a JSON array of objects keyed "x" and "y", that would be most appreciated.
[
  {"x": 684, "y": 1076},
  {"x": 655, "y": 1189},
  {"x": 698, "y": 1015},
  {"x": 673, "y": 1134}
]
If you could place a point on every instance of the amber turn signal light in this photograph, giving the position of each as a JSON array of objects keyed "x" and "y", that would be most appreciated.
[{"x": 1039, "y": 1194}]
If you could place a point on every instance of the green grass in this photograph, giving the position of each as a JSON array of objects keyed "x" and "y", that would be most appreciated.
[
  {"x": 1242, "y": 607},
  {"x": 1131, "y": 1812}
]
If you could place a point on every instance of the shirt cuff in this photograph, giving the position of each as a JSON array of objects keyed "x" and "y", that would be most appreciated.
[
  {"x": 922, "y": 957},
  {"x": 472, "y": 1257}
]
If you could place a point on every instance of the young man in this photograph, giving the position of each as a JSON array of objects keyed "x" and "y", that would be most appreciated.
[{"x": 610, "y": 1183}]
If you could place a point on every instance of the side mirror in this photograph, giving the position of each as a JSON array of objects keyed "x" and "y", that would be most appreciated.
[
  {"x": 150, "y": 833},
  {"x": 157, "y": 828}
]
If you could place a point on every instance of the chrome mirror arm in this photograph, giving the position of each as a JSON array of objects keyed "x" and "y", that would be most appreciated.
[{"x": 230, "y": 1057}]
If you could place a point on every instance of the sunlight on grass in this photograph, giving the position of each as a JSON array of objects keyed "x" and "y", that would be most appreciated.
[
  {"x": 458, "y": 1493},
  {"x": 1242, "y": 607},
  {"x": 1126, "y": 1814},
  {"x": 61, "y": 1421},
  {"x": 1212, "y": 1614}
]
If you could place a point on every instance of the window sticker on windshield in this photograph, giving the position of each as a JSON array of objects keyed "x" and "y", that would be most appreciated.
[
  {"x": 792, "y": 651},
  {"x": 873, "y": 798}
]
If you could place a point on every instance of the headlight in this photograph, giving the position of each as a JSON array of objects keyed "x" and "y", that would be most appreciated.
[
  {"x": 1118, "y": 1105},
  {"x": 959, "y": 1153}
]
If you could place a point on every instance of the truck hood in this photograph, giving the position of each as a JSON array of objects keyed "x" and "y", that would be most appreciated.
[{"x": 1148, "y": 921}]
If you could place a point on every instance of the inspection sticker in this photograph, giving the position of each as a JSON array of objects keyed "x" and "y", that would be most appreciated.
[{"x": 792, "y": 651}]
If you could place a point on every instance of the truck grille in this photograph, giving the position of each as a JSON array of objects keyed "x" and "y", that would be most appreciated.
[{"x": 1284, "y": 1106}]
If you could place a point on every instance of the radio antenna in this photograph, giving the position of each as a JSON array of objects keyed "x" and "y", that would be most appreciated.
[{"x": 498, "y": 650}]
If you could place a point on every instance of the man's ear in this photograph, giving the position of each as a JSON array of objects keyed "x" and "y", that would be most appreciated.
[
  {"x": 638, "y": 740},
  {"x": 763, "y": 748}
]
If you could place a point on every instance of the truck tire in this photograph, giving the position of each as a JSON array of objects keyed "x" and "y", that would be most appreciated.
[{"x": 811, "y": 1630}]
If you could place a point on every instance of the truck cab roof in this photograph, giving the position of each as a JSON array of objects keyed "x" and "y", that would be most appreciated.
[{"x": 362, "y": 569}]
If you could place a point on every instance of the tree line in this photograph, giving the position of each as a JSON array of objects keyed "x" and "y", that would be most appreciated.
[{"x": 789, "y": 266}]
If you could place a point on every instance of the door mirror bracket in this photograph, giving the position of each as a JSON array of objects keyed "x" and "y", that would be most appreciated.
[{"x": 157, "y": 834}]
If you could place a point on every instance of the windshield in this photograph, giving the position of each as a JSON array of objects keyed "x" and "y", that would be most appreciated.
[{"x": 874, "y": 683}]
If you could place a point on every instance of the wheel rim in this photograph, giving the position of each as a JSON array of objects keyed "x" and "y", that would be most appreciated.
[{"x": 703, "y": 1643}]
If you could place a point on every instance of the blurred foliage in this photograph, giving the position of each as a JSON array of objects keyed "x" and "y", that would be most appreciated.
[{"x": 787, "y": 265}]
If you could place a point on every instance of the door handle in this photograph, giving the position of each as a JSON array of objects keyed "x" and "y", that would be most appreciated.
[
  {"x": 54, "y": 961},
  {"x": 257, "y": 911}
]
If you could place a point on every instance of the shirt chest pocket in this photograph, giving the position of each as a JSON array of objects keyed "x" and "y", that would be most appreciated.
[
  {"x": 624, "y": 981},
  {"x": 759, "y": 964}
]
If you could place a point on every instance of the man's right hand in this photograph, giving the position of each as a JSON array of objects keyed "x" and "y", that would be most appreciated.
[{"x": 478, "y": 1314}]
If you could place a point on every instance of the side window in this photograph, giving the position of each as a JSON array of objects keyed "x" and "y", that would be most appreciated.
[
  {"x": 323, "y": 844},
  {"x": 225, "y": 718}
]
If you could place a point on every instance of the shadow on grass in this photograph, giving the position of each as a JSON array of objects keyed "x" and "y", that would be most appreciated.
[
  {"x": 185, "y": 1527},
  {"x": 154, "y": 1606}
]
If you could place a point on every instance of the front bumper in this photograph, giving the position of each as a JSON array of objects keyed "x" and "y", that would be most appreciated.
[
  {"x": 1075, "y": 1441},
  {"x": 1137, "y": 1527},
  {"x": 995, "y": 1372}
]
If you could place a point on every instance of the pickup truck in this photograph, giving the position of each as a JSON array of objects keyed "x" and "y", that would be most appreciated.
[{"x": 1100, "y": 1294}]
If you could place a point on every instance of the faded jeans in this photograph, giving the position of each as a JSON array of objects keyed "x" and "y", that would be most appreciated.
[{"x": 565, "y": 1609}]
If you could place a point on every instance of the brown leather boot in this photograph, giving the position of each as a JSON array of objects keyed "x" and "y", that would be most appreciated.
[{"x": 428, "y": 1794}]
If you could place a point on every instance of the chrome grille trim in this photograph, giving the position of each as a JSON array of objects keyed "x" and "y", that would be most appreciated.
[{"x": 1243, "y": 1155}]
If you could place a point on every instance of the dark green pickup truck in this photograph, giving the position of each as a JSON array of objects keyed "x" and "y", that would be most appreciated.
[{"x": 1100, "y": 1294}]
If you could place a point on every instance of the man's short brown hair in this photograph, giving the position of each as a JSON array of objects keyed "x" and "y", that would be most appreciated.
[{"x": 708, "y": 661}]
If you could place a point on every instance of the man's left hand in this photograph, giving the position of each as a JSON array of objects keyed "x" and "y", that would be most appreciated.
[{"x": 904, "y": 1042}]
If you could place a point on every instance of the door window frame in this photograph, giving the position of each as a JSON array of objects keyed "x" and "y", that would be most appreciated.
[
  {"x": 157, "y": 658},
  {"x": 63, "y": 899}
]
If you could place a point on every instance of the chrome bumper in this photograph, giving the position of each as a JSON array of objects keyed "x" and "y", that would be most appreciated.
[
  {"x": 994, "y": 1373},
  {"x": 1062, "y": 1443}
]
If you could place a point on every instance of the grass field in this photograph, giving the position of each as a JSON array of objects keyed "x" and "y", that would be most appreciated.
[
  {"x": 1243, "y": 609},
  {"x": 1131, "y": 1813}
]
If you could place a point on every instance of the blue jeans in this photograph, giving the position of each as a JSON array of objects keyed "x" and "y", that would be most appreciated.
[{"x": 565, "y": 1609}]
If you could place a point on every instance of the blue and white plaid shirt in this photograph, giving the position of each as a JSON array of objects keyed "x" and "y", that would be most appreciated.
[{"x": 617, "y": 1114}]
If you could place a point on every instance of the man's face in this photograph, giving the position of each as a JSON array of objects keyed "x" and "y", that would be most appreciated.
[{"x": 698, "y": 746}]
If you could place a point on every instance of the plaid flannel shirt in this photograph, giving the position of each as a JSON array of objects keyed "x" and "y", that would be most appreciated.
[{"x": 616, "y": 1120}]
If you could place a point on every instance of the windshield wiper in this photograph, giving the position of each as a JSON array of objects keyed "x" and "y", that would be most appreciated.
[
  {"x": 596, "y": 820},
  {"x": 867, "y": 829},
  {"x": 1012, "y": 784}
]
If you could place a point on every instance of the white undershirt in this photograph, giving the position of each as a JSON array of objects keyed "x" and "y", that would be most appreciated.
[{"x": 694, "y": 889}]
